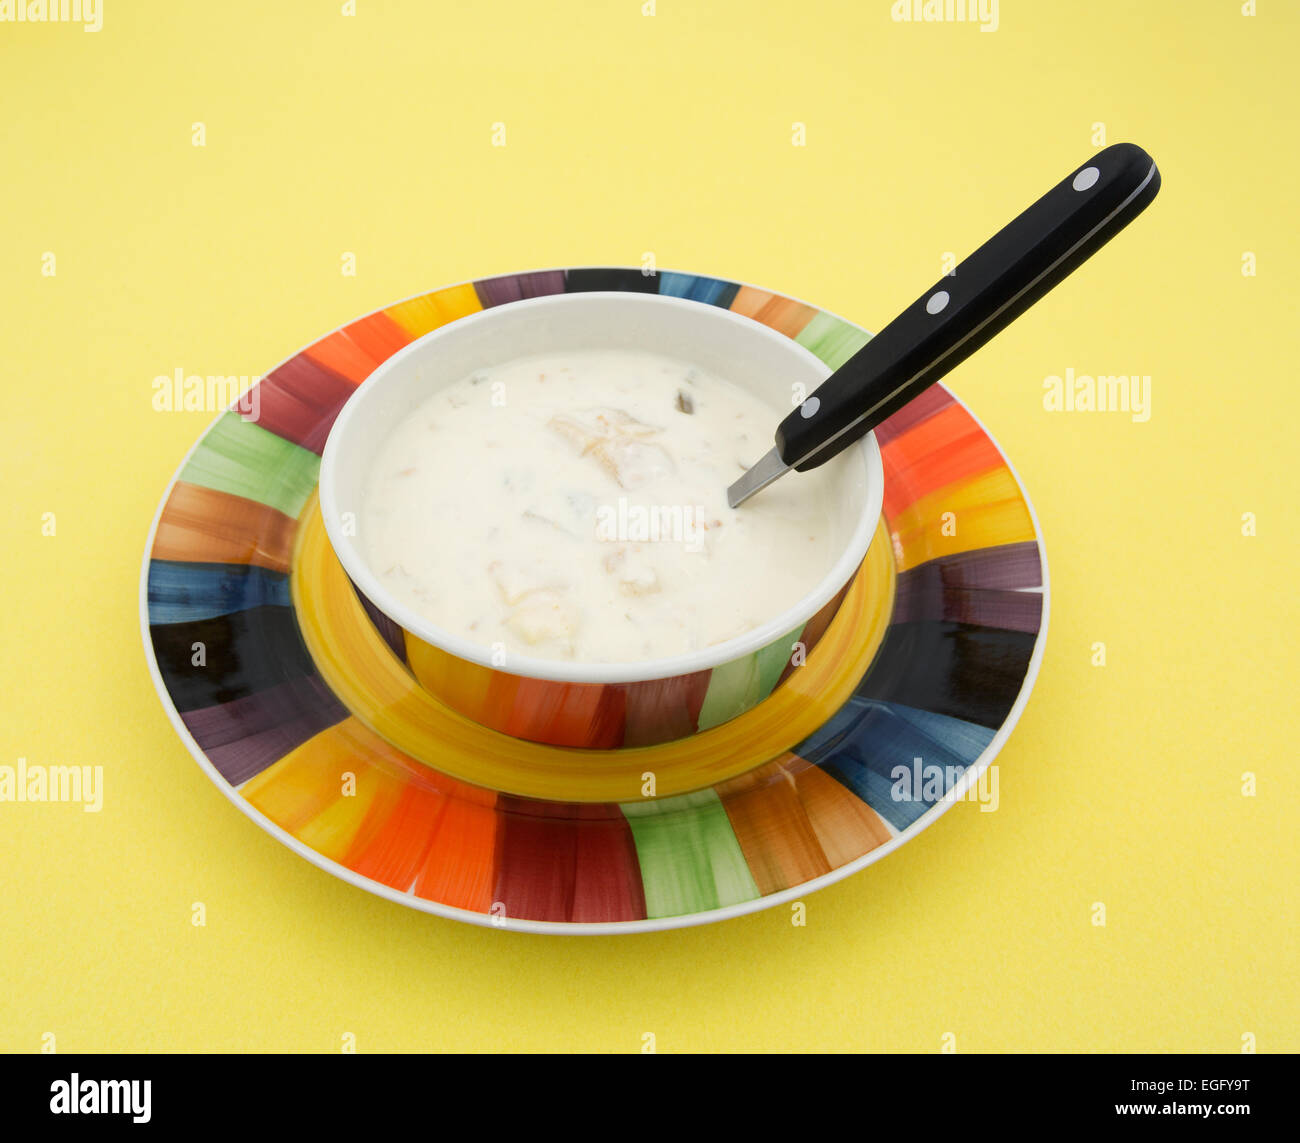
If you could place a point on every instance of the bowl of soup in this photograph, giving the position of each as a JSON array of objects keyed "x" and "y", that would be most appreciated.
[{"x": 531, "y": 504}]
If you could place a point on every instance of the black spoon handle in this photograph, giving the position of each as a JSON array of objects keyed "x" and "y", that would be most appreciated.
[{"x": 952, "y": 319}]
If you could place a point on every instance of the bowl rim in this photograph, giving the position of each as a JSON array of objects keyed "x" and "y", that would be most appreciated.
[{"x": 348, "y": 552}]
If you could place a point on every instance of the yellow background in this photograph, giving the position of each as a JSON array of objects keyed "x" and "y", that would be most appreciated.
[{"x": 670, "y": 134}]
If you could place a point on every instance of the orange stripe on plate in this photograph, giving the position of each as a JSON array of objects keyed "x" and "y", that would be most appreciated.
[
  {"x": 355, "y": 799},
  {"x": 783, "y": 314},
  {"x": 393, "y": 849},
  {"x": 768, "y": 815},
  {"x": 204, "y": 526},
  {"x": 846, "y": 827},
  {"x": 378, "y": 336},
  {"x": 460, "y": 866},
  {"x": 938, "y": 451},
  {"x": 343, "y": 355}
]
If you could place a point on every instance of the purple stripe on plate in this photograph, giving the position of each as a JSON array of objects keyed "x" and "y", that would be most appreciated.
[
  {"x": 300, "y": 400},
  {"x": 1006, "y": 566},
  {"x": 243, "y": 737},
  {"x": 516, "y": 287},
  {"x": 1008, "y": 610}
]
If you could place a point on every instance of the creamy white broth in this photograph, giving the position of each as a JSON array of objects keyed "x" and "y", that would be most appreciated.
[{"x": 573, "y": 506}]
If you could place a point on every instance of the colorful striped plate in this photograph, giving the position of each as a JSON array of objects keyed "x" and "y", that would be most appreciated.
[{"x": 290, "y": 696}]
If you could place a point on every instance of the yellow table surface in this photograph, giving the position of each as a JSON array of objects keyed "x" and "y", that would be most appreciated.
[{"x": 630, "y": 134}]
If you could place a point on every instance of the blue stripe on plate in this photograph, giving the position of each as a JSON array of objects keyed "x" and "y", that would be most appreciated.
[
  {"x": 183, "y": 592},
  {"x": 871, "y": 747},
  {"x": 712, "y": 291}
]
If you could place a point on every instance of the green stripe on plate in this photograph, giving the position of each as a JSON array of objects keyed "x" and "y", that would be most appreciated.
[
  {"x": 831, "y": 339},
  {"x": 689, "y": 856},
  {"x": 243, "y": 459}
]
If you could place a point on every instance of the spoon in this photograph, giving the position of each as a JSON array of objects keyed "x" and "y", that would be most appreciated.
[{"x": 961, "y": 312}]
